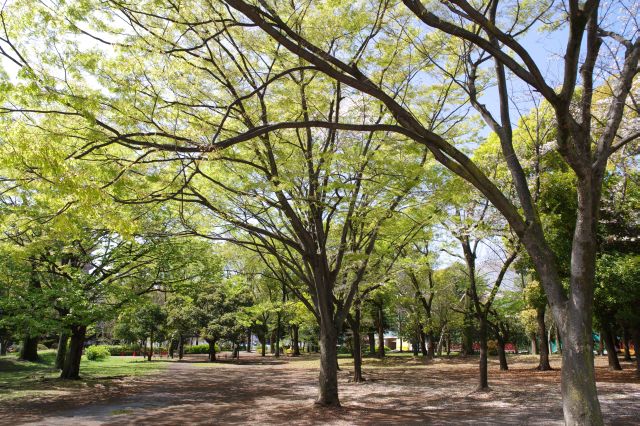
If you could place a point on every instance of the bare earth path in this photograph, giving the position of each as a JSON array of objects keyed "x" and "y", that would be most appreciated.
[{"x": 270, "y": 391}]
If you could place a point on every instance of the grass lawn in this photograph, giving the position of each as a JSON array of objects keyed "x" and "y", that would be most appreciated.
[{"x": 19, "y": 378}]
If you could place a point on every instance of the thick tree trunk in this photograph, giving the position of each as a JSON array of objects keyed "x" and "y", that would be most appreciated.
[
  {"x": 172, "y": 347},
  {"x": 3, "y": 346},
  {"x": 181, "y": 348},
  {"x": 71, "y": 368},
  {"x": 372, "y": 343},
  {"x": 212, "y": 349},
  {"x": 272, "y": 340},
  {"x": 295, "y": 344},
  {"x": 62, "y": 351},
  {"x": 29, "y": 350},
  {"x": 502, "y": 354},
  {"x": 609, "y": 342},
  {"x": 625, "y": 343},
  {"x": 328, "y": 379},
  {"x": 484, "y": 352},
  {"x": 543, "y": 365}
]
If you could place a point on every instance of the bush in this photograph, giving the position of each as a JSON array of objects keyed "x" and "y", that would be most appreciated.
[
  {"x": 42, "y": 347},
  {"x": 124, "y": 350},
  {"x": 199, "y": 349},
  {"x": 97, "y": 353},
  {"x": 386, "y": 348}
]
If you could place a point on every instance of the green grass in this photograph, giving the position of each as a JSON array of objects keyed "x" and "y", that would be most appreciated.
[{"x": 20, "y": 379}]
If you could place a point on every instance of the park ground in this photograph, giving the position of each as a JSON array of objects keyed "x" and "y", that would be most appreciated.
[{"x": 399, "y": 390}]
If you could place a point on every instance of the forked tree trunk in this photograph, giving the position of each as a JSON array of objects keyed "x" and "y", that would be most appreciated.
[
  {"x": 543, "y": 365},
  {"x": 609, "y": 342},
  {"x": 295, "y": 344},
  {"x": 62, "y": 350},
  {"x": 432, "y": 344},
  {"x": 71, "y": 368},
  {"x": 29, "y": 350},
  {"x": 484, "y": 352},
  {"x": 423, "y": 344}
]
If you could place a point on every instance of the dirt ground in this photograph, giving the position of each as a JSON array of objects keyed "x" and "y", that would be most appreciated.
[{"x": 275, "y": 391}]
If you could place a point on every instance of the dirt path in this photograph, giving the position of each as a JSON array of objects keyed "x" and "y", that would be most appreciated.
[{"x": 270, "y": 391}]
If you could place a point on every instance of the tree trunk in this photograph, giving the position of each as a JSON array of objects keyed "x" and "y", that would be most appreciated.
[
  {"x": 636, "y": 348},
  {"x": 249, "y": 340},
  {"x": 423, "y": 344},
  {"x": 380, "y": 332},
  {"x": 212, "y": 349},
  {"x": 328, "y": 379},
  {"x": 484, "y": 352},
  {"x": 272, "y": 339},
  {"x": 543, "y": 347},
  {"x": 29, "y": 350},
  {"x": 172, "y": 347},
  {"x": 150, "y": 353},
  {"x": 625, "y": 342},
  {"x": 354, "y": 323},
  {"x": 612, "y": 354},
  {"x": 534, "y": 344},
  {"x": 3, "y": 346},
  {"x": 181, "y": 348},
  {"x": 71, "y": 368},
  {"x": 295, "y": 344},
  {"x": 62, "y": 350},
  {"x": 432, "y": 345},
  {"x": 502, "y": 354},
  {"x": 372, "y": 343},
  {"x": 278, "y": 332}
]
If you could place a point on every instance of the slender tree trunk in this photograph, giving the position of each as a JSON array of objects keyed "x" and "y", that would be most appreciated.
[
  {"x": 62, "y": 350},
  {"x": 295, "y": 344},
  {"x": 432, "y": 344},
  {"x": 372, "y": 343},
  {"x": 484, "y": 352},
  {"x": 448, "y": 344},
  {"x": 278, "y": 331},
  {"x": 71, "y": 368},
  {"x": 625, "y": 342},
  {"x": 636, "y": 348},
  {"x": 150, "y": 353},
  {"x": 380, "y": 332},
  {"x": 272, "y": 340},
  {"x": 29, "y": 350},
  {"x": 172, "y": 347},
  {"x": 328, "y": 379},
  {"x": 534, "y": 344},
  {"x": 612, "y": 354},
  {"x": 357, "y": 344},
  {"x": 543, "y": 365},
  {"x": 249, "y": 340}
]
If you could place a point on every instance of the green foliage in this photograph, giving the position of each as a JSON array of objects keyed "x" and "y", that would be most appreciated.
[
  {"x": 199, "y": 349},
  {"x": 97, "y": 353}
]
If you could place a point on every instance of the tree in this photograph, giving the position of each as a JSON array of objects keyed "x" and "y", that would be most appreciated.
[
  {"x": 536, "y": 300},
  {"x": 358, "y": 54}
]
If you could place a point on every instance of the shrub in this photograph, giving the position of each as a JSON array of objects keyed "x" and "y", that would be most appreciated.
[
  {"x": 42, "y": 347},
  {"x": 124, "y": 350},
  {"x": 199, "y": 349},
  {"x": 97, "y": 353},
  {"x": 386, "y": 348}
]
